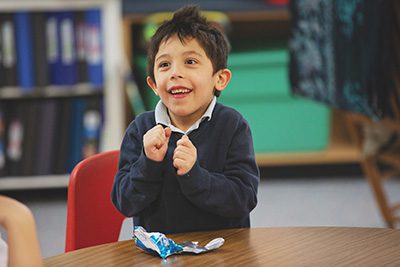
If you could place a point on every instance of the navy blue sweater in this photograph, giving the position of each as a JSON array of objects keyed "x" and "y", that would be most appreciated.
[{"x": 218, "y": 192}]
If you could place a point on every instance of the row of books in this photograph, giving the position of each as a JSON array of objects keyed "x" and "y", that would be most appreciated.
[
  {"x": 60, "y": 48},
  {"x": 49, "y": 135}
]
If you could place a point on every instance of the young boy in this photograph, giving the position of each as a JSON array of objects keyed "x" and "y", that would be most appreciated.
[{"x": 190, "y": 164}]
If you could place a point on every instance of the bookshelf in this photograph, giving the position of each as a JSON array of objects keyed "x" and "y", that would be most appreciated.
[
  {"x": 112, "y": 89},
  {"x": 256, "y": 20}
]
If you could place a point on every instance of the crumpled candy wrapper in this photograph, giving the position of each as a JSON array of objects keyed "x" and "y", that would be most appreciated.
[{"x": 158, "y": 244}]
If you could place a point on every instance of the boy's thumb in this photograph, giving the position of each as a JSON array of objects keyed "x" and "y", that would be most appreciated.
[{"x": 167, "y": 132}]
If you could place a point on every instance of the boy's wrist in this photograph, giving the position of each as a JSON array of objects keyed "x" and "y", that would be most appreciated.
[{"x": 192, "y": 172}]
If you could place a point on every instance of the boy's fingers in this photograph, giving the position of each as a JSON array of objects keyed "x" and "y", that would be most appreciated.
[
  {"x": 184, "y": 141},
  {"x": 181, "y": 172},
  {"x": 177, "y": 163},
  {"x": 159, "y": 136},
  {"x": 181, "y": 153},
  {"x": 180, "y": 166},
  {"x": 158, "y": 128},
  {"x": 159, "y": 142}
]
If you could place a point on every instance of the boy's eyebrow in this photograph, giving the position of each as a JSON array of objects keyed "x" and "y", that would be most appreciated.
[
  {"x": 161, "y": 56},
  {"x": 193, "y": 52},
  {"x": 184, "y": 53}
]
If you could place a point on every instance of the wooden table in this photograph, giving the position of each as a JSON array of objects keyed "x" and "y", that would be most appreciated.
[{"x": 302, "y": 246}]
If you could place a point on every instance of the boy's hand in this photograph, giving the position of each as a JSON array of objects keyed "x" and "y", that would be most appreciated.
[
  {"x": 155, "y": 142},
  {"x": 185, "y": 155}
]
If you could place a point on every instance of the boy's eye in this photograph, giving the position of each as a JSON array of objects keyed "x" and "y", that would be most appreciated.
[
  {"x": 163, "y": 65},
  {"x": 191, "y": 61}
]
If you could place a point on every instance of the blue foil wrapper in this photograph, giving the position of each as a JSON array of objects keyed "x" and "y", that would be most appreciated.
[
  {"x": 155, "y": 242},
  {"x": 158, "y": 244}
]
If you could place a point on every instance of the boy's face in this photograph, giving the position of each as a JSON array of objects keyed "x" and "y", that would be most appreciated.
[{"x": 184, "y": 79}]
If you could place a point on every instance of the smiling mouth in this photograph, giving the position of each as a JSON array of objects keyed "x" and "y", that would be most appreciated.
[{"x": 179, "y": 91}]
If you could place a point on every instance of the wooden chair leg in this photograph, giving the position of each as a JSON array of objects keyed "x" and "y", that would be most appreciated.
[{"x": 371, "y": 170}]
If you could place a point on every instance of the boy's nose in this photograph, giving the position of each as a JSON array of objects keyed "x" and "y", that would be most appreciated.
[{"x": 176, "y": 72}]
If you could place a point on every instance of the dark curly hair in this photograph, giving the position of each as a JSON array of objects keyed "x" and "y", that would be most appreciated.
[{"x": 188, "y": 23}]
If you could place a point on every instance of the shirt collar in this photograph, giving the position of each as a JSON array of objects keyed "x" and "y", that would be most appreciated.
[{"x": 162, "y": 117}]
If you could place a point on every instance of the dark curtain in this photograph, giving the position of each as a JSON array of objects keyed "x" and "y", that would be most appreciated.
[{"x": 342, "y": 53}]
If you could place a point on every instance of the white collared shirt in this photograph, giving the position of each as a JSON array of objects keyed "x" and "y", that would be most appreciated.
[{"x": 162, "y": 117}]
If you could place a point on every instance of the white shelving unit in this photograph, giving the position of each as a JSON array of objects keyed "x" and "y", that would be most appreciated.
[
  {"x": 114, "y": 123},
  {"x": 37, "y": 182}
]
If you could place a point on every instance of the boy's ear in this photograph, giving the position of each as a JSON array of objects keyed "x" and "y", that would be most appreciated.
[
  {"x": 152, "y": 84},
  {"x": 223, "y": 78}
]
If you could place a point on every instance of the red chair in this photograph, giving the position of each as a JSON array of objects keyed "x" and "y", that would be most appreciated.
[{"x": 92, "y": 219}]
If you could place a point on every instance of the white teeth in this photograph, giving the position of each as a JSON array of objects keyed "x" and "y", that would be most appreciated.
[{"x": 180, "y": 91}]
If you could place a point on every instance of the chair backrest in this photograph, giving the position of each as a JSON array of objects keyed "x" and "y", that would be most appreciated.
[{"x": 92, "y": 219}]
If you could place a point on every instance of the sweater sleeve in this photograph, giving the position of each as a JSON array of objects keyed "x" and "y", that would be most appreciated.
[
  {"x": 232, "y": 193},
  {"x": 138, "y": 179}
]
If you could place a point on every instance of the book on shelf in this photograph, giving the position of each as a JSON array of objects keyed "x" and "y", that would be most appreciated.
[
  {"x": 24, "y": 40},
  {"x": 1, "y": 59},
  {"x": 31, "y": 123},
  {"x": 92, "y": 124},
  {"x": 2, "y": 141},
  {"x": 75, "y": 132},
  {"x": 8, "y": 51},
  {"x": 32, "y": 69},
  {"x": 85, "y": 127},
  {"x": 61, "y": 48},
  {"x": 66, "y": 36},
  {"x": 94, "y": 46},
  {"x": 47, "y": 139},
  {"x": 41, "y": 78},
  {"x": 20, "y": 134},
  {"x": 80, "y": 46},
  {"x": 53, "y": 53},
  {"x": 15, "y": 134},
  {"x": 62, "y": 132}
]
